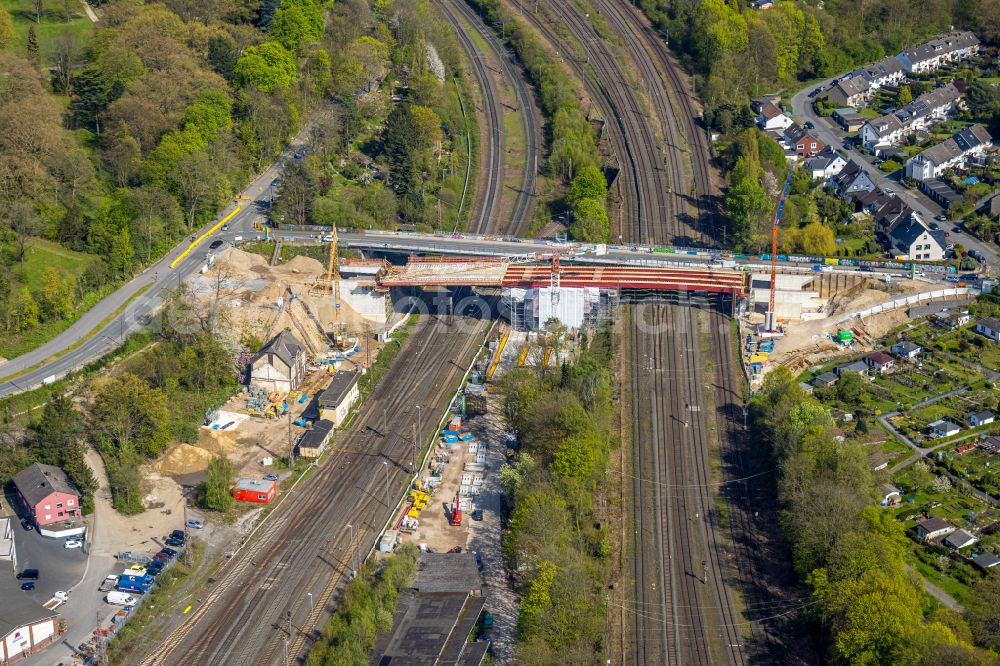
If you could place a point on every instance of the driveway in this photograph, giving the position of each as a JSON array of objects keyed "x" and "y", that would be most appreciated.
[{"x": 831, "y": 134}]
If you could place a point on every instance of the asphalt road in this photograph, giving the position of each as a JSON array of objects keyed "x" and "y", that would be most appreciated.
[
  {"x": 143, "y": 295},
  {"x": 830, "y": 133}
]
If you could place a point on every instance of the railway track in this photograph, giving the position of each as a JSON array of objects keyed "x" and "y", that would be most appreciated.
[
  {"x": 684, "y": 610},
  {"x": 523, "y": 204},
  {"x": 487, "y": 206},
  {"x": 649, "y": 214},
  {"x": 259, "y": 606},
  {"x": 684, "y": 143}
]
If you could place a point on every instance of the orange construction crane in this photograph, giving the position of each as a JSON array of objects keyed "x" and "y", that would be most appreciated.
[
  {"x": 769, "y": 320},
  {"x": 333, "y": 284}
]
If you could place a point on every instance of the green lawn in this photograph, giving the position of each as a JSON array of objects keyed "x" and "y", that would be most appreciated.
[
  {"x": 53, "y": 23},
  {"x": 41, "y": 254}
]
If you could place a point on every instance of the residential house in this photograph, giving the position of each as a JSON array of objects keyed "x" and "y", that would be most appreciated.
[
  {"x": 280, "y": 365},
  {"x": 827, "y": 164},
  {"x": 886, "y": 131},
  {"x": 985, "y": 561},
  {"x": 941, "y": 192},
  {"x": 914, "y": 241},
  {"x": 907, "y": 349},
  {"x": 879, "y": 361},
  {"x": 771, "y": 117},
  {"x": 930, "y": 55},
  {"x": 889, "y": 212},
  {"x": 932, "y": 528},
  {"x": 942, "y": 428},
  {"x": 951, "y": 319},
  {"x": 852, "y": 181},
  {"x": 802, "y": 142},
  {"x": 848, "y": 119},
  {"x": 825, "y": 380},
  {"x": 338, "y": 397},
  {"x": 852, "y": 90},
  {"x": 886, "y": 72},
  {"x": 992, "y": 207},
  {"x": 47, "y": 494},
  {"x": 890, "y": 494},
  {"x": 989, "y": 327},
  {"x": 872, "y": 202},
  {"x": 959, "y": 539},
  {"x": 952, "y": 153},
  {"x": 982, "y": 418},
  {"x": 859, "y": 367}
]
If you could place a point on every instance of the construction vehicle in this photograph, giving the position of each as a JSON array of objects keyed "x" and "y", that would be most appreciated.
[{"x": 456, "y": 514}]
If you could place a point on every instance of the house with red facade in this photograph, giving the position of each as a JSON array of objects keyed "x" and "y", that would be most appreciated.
[
  {"x": 48, "y": 496},
  {"x": 255, "y": 490}
]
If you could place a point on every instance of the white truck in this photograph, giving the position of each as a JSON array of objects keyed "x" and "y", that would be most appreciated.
[{"x": 117, "y": 598}]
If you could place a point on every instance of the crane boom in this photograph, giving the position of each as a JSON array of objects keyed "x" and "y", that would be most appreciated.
[
  {"x": 774, "y": 247},
  {"x": 333, "y": 281}
]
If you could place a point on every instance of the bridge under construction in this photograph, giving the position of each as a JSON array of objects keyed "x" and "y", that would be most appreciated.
[{"x": 533, "y": 293}]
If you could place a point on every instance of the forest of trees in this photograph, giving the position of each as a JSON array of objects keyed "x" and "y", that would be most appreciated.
[
  {"x": 563, "y": 421},
  {"x": 866, "y": 607},
  {"x": 139, "y": 132}
]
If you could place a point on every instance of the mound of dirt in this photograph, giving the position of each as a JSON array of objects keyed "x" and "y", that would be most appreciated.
[
  {"x": 270, "y": 293},
  {"x": 219, "y": 442},
  {"x": 183, "y": 459},
  {"x": 301, "y": 264},
  {"x": 239, "y": 261}
]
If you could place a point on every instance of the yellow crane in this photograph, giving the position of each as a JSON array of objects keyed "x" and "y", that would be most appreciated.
[{"x": 333, "y": 284}]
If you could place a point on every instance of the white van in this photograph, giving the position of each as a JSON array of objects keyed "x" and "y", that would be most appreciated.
[{"x": 120, "y": 598}]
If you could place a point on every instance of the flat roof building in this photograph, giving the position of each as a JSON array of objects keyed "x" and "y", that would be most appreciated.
[{"x": 338, "y": 397}]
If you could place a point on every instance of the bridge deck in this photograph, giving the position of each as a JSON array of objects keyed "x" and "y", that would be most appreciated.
[{"x": 494, "y": 274}]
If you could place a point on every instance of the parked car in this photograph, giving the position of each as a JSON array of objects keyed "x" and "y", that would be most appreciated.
[
  {"x": 73, "y": 543},
  {"x": 822, "y": 269},
  {"x": 29, "y": 574},
  {"x": 477, "y": 514},
  {"x": 809, "y": 125},
  {"x": 271, "y": 477},
  {"x": 951, "y": 278},
  {"x": 177, "y": 543},
  {"x": 62, "y": 596},
  {"x": 27, "y": 587},
  {"x": 866, "y": 269},
  {"x": 225, "y": 227},
  {"x": 197, "y": 524},
  {"x": 889, "y": 191},
  {"x": 27, "y": 525},
  {"x": 956, "y": 230},
  {"x": 215, "y": 245},
  {"x": 940, "y": 217},
  {"x": 178, "y": 534}
]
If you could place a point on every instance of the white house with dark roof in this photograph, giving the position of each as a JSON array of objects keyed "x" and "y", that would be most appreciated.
[
  {"x": 827, "y": 164},
  {"x": 25, "y": 627},
  {"x": 932, "y": 54},
  {"x": 280, "y": 365},
  {"x": 913, "y": 240},
  {"x": 906, "y": 349},
  {"x": 960, "y": 539},
  {"x": 852, "y": 181},
  {"x": 771, "y": 117},
  {"x": 989, "y": 328},
  {"x": 890, "y": 129},
  {"x": 943, "y": 428},
  {"x": 952, "y": 153},
  {"x": 981, "y": 418},
  {"x": 932, "y": 528},
  {"x": 886, "y": 72}
]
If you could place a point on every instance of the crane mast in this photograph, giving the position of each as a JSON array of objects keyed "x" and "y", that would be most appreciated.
[{"x": 770, "y": 318}]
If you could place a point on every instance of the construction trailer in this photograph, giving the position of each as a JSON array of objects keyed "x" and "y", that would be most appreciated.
[{"x": 255, "y": 490}]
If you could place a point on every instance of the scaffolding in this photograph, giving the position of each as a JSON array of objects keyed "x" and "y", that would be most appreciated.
[{"x": 589, "y": 307}]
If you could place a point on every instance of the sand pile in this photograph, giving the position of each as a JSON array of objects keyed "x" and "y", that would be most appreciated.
[
  {"x": 219, "y": 442},
  {"x": 302, "y": 264},
  {"x": 183, "y": 459},
  {"x": 239, "y": 261},
  {"x": 270, "y": 293}
]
